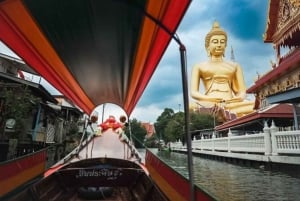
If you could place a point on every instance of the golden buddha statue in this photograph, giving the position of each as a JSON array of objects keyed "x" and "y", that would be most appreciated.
[{"x": 223, "y": 81}]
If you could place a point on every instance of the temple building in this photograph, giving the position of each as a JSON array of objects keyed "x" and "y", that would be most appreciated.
[{"x": 277, "y": 92}]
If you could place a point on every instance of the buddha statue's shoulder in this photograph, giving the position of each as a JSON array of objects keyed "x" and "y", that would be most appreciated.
[
  {"x": 202, "y": 65},
  {"x": 207, "y": 65},
  {"x": 232, "y": 64}
]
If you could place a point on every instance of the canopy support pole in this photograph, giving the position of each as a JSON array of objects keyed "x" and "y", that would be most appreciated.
[{"x": 182, "y": 50}]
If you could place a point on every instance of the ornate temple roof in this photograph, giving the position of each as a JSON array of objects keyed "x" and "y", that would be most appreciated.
[
  {"x": 289, "y": 63},
  {"x": 283, "y": 26},
  {"x": 283, "y": 30},
  {"x": 273, "y": 111}
]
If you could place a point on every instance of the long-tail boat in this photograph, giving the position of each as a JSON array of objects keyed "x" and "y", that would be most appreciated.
[{"x": 97, "y": 52}]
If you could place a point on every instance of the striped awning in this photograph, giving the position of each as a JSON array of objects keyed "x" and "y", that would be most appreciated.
[{"x": 92, "y": 51}]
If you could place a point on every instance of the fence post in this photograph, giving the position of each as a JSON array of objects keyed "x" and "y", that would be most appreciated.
[
  {"x": 273, "y": 131},
  {"x": 267, "y": 139},
  {"x": 213, "y": 140},
  {"x": 194, "y": 144},
  {"x": 201, "y": 142},
  {"x": 229, "y": 136}
]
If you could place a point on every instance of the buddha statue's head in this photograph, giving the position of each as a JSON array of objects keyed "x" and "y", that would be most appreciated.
[{"x": 215, "y": 30}]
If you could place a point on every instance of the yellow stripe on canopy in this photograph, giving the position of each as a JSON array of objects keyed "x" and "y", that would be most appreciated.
[{"x": 149, "y": 31}]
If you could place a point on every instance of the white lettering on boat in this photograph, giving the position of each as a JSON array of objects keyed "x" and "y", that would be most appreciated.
[{"x": 110, "y": 174}]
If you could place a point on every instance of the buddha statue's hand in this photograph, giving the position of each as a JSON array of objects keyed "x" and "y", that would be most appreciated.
[
  {"x": 205, "y": 98},
  {"x": 233, "y": 100},
  {"x": 211, "y": 99}
]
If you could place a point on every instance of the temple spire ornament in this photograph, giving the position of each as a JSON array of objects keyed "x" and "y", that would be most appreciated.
[{"x": 232, "y": 58}]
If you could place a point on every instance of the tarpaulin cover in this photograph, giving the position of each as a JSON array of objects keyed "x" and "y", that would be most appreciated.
[{"x": 92, "y": 51}]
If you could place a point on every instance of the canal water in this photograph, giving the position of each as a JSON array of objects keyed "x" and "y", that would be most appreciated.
[{"x": 230, "y": 182}]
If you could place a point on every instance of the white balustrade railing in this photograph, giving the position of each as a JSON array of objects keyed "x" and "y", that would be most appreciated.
[
  {"x": 270, "y": 142},
  {"x": 287, "y": 142},
  {"x": 221, "y": 144},
  {"x": 248, "y": 143}
]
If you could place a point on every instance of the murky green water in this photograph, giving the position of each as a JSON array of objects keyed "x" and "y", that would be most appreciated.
[{"x": 230, "y": 182}]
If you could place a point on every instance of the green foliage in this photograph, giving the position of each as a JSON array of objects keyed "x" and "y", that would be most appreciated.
[
  {"x": 201, "y": 121},
  {"x": 138, "y": 133},
  {"x": 175, "y": 128},
  {"x": 18, "y": 104},
  {"x": 152, "y": 142},
  {"x": 162, "y": 122},
  {"x": 171, "y": 126}
]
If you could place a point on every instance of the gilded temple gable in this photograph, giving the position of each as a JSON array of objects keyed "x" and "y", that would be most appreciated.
[{"x": 283, "y": 24}]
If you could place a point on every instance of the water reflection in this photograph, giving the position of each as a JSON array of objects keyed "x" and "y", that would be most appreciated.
[{"x": 233, "y": 182}]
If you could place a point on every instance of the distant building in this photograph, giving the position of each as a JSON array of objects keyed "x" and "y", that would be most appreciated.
[
  {"x": 69, "y": 111},
  {"x": 29, "y": 131},
  {"x": 51, "y": 120}
]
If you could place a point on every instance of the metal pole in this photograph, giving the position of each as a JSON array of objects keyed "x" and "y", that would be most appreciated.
[
  {"x": 186, "y": 99},
  {"x": 187, "y": 119},
  {"x": 103, "y": 106}
]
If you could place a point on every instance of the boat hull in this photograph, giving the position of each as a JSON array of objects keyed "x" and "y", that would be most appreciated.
[
  {"x": 101, "y": 168},
  {"x": 17, "y": 172},
  {"x": 175, "y": 186},
  {"x": 94, "y": 179}
]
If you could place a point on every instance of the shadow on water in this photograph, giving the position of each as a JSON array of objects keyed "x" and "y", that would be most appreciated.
[{"x": 228, "y": 181}]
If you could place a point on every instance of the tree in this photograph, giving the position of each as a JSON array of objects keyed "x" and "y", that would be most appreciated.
[
  {"x": 174, "y": 125},
  {"x": 152, "y": 142},
  {"x": 175, "y": 128},
  {"x": 162, "y": 122},
  {"x": 18, "y": 103},
  {"x": 138, "y": 133},
  {"x": 200, "y": 121},
  {"x": 170, "y": 126}
]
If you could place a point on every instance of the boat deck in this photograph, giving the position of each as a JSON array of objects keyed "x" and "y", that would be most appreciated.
[
  {"x": 114, "y": 197},
  {"x": 116, "y": 194},
  {"x": 106, "y": 145},
  {"x": 103, "y": 169}
]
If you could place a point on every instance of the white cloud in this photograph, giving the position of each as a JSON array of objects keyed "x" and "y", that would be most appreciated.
[{"x": 147, "y": 114}]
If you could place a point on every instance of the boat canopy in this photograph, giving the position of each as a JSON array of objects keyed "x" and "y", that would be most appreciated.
[{"x": 93, "y": 52}]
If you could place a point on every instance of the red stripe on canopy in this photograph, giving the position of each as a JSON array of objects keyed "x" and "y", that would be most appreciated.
[
  {"x": 170, "y": 20},
  {"x": 20, "y": 32},
  {"x": 25, "y": 46}
]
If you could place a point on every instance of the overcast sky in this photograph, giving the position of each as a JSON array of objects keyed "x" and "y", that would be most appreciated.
[{"x": 245, "y": 23}]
